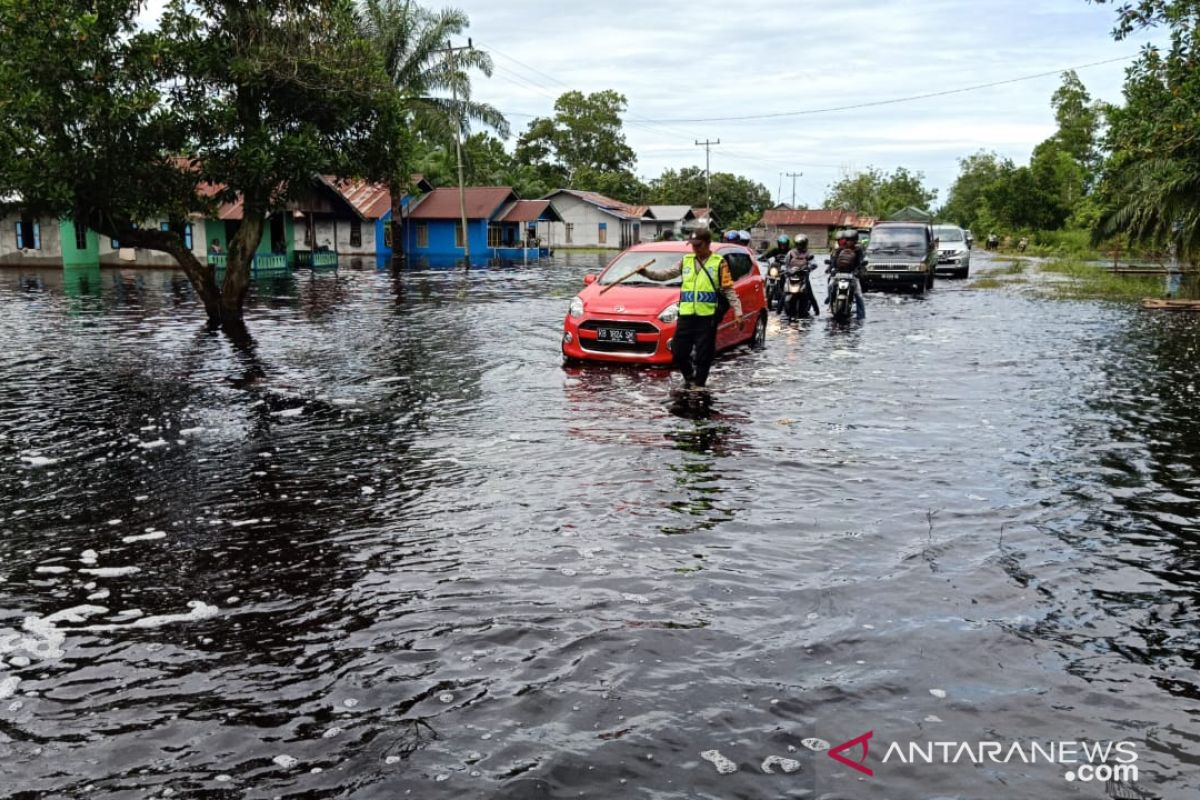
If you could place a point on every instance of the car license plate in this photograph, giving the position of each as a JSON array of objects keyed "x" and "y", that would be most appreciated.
[
  {"x": 616, "y": 335},
  {"x": 889, "y": 276}
]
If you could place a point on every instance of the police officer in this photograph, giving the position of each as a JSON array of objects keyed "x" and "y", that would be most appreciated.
[{"x": 705, "y": 274}]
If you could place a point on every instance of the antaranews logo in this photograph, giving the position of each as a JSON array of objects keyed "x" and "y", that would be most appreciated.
[{"x": 1083, "y": 761}]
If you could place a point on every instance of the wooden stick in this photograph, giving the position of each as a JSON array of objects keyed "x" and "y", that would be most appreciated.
[{"x": 628, "y": 275}]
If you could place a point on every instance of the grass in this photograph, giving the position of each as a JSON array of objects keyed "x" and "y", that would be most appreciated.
[
  {"x": 988, "y": 283},
  {"x": 1091, "y": 282},
  {"x": 1015, "y": 268}
]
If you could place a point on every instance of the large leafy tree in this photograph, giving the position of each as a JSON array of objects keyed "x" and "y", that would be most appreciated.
[
  {"x": 977, "y": 173},
  {"x": 583, "y": 145},
  {"x": 737, "y": 201},
  {"x": 1152, "y": 175},
  {"x": 433, "y": 88},
  {"x": 111, "y": 124},
  {"x": 878, "y": 193}
]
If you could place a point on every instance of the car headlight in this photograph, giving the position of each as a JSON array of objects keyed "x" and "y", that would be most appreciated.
[
  {"x": 670, "y": 313},
  {"x": 576, "y": 310}
]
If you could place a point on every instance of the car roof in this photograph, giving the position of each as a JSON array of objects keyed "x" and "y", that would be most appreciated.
[{"x": 684, "y": 247}]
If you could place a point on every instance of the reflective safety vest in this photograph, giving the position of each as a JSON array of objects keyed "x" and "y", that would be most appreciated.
[{"x": 698, "y": 295}]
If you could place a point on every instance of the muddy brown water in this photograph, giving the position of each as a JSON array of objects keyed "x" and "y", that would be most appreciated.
[{"x": 390, "y": 548}]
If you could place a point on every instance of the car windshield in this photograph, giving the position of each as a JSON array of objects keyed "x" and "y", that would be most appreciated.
[
  {"x": 897, "y": 239},
  {"x": 628, "y": 262},
  {"x": 948, "y": 234}
]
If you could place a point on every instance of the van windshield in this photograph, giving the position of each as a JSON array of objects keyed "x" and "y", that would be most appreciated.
[
  {"x": 628, "y": 262},
  {"x": 896, "y": 239}
]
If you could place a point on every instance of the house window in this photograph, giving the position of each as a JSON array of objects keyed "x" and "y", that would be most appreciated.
[
  {"x": 29, "y": 235},
  {"x": 356, "y": 232},
  {"x": 166, "y": 226},
  {"x": 602, "y": 234},
  {"x": 570, "y": 230},
  {"x": 422, "y": 234},
  {"x": 494, "y": 236},
  {"x": 458, "y": 235},
  {"x": 81, "y": 242}
]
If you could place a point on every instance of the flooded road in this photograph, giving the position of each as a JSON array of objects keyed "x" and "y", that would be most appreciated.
[{"x": 391, "y": 548}]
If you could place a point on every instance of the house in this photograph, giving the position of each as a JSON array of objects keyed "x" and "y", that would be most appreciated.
[
  {"x": 666, "y": 218},
  {"x": 816, "y": 224},
  {"x": 348, "y": 219},
  {"x": 704, "y": 218},
  {"x": 589, "y": 219},
  {"x": 500, "y": 226},
  {"x": 912, "y": 214}
]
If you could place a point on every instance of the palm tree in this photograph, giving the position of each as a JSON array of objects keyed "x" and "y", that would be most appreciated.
[
  {"x": 411, "y": 41},
  {"x": 1159, "y": 202}
]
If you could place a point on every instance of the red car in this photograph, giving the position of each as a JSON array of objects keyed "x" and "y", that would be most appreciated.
[{"x": 634, "y": 323}]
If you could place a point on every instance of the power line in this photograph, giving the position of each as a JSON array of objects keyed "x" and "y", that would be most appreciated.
[{"x": 891, "y": 101}]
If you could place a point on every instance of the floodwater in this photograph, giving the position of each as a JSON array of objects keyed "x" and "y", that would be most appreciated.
[{"x": 390, "y": 548}]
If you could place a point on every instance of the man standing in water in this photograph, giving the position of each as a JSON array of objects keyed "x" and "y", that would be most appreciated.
[{"x": 705, "y": 274}]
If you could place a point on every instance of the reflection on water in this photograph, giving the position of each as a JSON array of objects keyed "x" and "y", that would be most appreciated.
[{"x": 384, "y": 545}]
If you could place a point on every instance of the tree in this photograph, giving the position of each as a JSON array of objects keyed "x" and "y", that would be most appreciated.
[
  {"x": 1152, "y": 175},
  {"x": 879, "y": 194},
  {"x": 410, "y": 41},
  {"x": 583, "y": 145},
  {"x": 734, "y": 198},
  {"x": 1078, "y": 120},
  {"x": 966, "y": 201},
  {"x": 111, "y": 125}
]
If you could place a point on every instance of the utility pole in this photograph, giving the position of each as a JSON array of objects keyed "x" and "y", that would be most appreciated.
[
  {"x": 706, "y": 144},
  {"x": 462, "y": 192},
  {"x": 779, "y": 194},
  {"x": 793, "y": 176}
]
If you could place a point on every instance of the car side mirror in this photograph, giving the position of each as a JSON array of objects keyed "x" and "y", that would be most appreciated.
[{"x": 589, "y": 279}]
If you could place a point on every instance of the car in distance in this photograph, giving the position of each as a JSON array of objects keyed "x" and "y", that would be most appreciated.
[
  {"x": 954, "y": 251},
  {"x": 901, "y": 255},
  {"x": 633, "y": 321}
]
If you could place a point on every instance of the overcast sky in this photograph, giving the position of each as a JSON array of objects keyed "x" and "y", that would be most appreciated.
[
  {"x": 678, "y": 59},
  {"x": 687, "y": 60}
]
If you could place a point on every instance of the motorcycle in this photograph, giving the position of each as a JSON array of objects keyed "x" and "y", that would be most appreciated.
[
  {"x": 841, "y": 294},
  {"x": 797, "y": 289},
  {"x": 773, "y": 284}
]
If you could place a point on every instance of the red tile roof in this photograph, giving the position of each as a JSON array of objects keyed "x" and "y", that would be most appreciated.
[
  {"x": 525, "y": 211},
  {"x": 826, "y": 217},
  {"x": 701, "y": 213},
  {"x": 482, "y": 203}
]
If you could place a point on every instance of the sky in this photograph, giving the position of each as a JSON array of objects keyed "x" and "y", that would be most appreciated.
[{"x": 687, "y": 59}]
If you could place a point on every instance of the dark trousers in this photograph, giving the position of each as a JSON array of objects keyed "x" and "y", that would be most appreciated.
[{"x": 694, "y": 347}]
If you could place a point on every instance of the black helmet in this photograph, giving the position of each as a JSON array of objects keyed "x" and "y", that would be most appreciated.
[{"x": 800, "y": 242}]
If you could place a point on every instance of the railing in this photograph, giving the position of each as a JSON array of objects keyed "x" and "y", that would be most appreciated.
[
  {"x": 263, "y": 262},
  {"x": 316, "y": 259}
]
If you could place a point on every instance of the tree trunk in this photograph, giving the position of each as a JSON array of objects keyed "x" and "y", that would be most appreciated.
[
  {"x": 397, "y": 222},
  {"x": 201, "y": 275},
  {"x": 237, "y": 266}
]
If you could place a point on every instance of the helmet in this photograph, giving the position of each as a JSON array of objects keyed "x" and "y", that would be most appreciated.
[
  {"x": 800, "y": 243},
  {"x": 731, "y": 236},
  {"x": 744, "y": 236},
  {"x": 851, "y": 235},
  {"x": 783, "y": 239}
]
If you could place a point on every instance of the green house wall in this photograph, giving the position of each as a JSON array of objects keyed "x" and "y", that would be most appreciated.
[{"x": 73, "y": 256}]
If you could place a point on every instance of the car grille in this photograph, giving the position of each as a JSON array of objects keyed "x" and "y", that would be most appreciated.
[
  {"x": 636, "y": 348},
  {"x": 596, "y": 346}
]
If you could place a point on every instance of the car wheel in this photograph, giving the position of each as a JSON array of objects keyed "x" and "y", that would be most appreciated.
[{"x": 759, "y": 341}]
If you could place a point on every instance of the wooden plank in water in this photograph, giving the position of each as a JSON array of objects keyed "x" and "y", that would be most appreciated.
[{"x": 1157, "y": 304}]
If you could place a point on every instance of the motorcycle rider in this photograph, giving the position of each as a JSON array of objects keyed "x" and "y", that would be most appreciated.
[
  {"x": 848, "y": 257},
  {"x": 780, "y": 248},
  {"x": 799, "y": 256}
]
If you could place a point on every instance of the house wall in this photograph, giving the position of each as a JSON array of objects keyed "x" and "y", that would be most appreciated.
[
  {"x": 585, "y": 219},
  {"x": 339, "y": 239},
  {"x": 49, "y": 252},
  {"x": 153, "y": 258},
  {"x": 441, "y": 244}
]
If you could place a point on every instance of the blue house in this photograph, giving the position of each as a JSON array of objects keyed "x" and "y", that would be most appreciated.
[{"x": 500, "y": 226}]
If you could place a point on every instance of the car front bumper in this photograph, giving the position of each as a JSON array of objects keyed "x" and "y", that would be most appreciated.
[{"x": 651, "y": 345}]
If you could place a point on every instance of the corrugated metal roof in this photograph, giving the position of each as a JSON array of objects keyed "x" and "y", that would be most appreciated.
[
  {"x": 369, "y": 200},
  {"x": 607, "y": 203},
  {"x": 482, "y": 203}
]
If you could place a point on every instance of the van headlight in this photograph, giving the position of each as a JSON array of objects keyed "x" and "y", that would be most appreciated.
[
  {"x": 670, "y": 313},
  {"x": 576, "y": 310}
]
